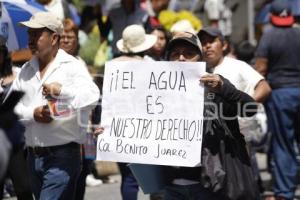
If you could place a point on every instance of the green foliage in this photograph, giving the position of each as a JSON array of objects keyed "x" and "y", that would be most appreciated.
[
  {"x": 89, "y": 49},
  {"x": 78, "y": 4}
]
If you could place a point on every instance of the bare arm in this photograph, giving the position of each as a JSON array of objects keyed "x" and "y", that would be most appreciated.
[
  {"x": 261, "y": 65},
  {"x": 261, "y": 91}
]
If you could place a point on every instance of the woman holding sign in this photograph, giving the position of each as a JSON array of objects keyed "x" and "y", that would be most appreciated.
[
  {"x": 225, "y": 172},
  {"x": 217, "y": 177}
]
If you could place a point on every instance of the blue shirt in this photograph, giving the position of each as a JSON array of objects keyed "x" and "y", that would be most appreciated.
[
  {"x": 281, "y": 46},
  {"x": 120, "y": 19}
]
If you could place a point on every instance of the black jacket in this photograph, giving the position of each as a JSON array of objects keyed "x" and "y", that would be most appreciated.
[{"x": 221, "y": 112}]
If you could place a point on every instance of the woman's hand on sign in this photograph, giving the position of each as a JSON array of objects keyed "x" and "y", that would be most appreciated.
[
  {"x": 98, "y": 131},
  {"x": 212, "y": 81}
]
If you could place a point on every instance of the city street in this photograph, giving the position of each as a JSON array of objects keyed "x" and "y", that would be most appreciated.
[
  {"x": 111, "y": 191},
  {"x": 108, "y": 191}
]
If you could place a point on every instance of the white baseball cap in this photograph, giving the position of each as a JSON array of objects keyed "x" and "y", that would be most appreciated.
[{"x": 45, "y": 20}]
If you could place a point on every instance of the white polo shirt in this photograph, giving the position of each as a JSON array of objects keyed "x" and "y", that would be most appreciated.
[
  {"x": 244, "y": 78},
  {"x": 239, "y": 73},
  {"x": 77, "y": 85}
]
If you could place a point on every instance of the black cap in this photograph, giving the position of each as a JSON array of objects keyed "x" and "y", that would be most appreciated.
[
  {"x": 281, "y": 14},
  {"x": 212, "y": 31},
  {"x": 184, "y": 37}
]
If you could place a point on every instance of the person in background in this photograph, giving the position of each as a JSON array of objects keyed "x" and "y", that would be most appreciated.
[
  {"x": 7, "y": 73},
  {"x": 69, "y": 38},
  {"x": 132, "y": 49},
  {"x": 157, "y": 52},
  {"x": 17, "y": 168},
  {"x": 59, "y": 95},
  {"x": 129, "y": 12},
  {"x": 245, "y": 51},
  {"x": 90, "y": 14},
  {"x": 4, "y": 153},
  {"x": 240, "y": 74},
  {"x": 243, "y": 76},
  {"x": 178, "y": 5},
  {"x": 60, "y": 8},
  {"x": 275, "y": 58},
  {"x": 11, "y": 130},
  {"x": 153, "y": 8},
  {"x": 69, "y": 43},
  {"x": 183, "y": 25},
  {"x": 219, "y": 15}
]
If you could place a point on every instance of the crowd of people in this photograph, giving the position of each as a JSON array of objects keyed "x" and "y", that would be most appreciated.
[{"x": 50, "y": 107}]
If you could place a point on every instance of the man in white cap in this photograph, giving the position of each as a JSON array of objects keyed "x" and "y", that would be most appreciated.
[{"x": 53, "y": 136}]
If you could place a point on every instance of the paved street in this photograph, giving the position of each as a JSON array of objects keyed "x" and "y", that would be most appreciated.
[
  {"x": 111, "y": 191},
  {"x": 108, "y": 191}
]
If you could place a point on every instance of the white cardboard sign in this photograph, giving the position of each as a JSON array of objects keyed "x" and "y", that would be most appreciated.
[{"x": 152, "y": 113}]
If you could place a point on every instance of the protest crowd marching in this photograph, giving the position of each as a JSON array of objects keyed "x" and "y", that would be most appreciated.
[{"x": 177, "y": 97}]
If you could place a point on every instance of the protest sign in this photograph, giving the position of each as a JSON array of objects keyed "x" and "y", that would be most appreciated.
[{"x": 152, "y": 113}]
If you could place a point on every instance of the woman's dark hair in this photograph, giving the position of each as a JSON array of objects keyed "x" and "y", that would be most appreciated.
[
  {"x": 162, "y": 29},
  {"x": 245, "y": 51},
  {"x": 6, "y": 69},
  {"x": 165, "y": 32}
]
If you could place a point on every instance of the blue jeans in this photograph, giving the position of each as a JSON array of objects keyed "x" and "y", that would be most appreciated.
[
  {"x": 189, "y": 192},
  {"x": 81, "y": 184},
  {"x": 129, "y": 185},
  {"x": 54, "y": 172},
  {"x": 283, "y": 112}
]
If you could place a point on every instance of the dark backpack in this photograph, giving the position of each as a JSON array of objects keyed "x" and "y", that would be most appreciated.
[{"x": 226, "y": 167}]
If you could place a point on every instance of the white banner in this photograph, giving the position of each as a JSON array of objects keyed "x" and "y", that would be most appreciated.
[{"x": 152, "y": 113}]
